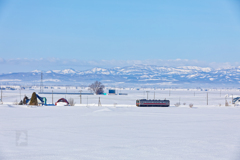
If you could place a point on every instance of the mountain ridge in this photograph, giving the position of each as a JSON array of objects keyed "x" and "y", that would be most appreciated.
[{"x": 135, "y": 74}]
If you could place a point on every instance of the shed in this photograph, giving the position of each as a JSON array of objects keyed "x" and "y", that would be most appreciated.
[{"x": 112, "y": 91}]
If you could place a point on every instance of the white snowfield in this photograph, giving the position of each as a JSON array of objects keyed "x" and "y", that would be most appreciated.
[
  {"x": 117, "y": 133},
  {"x": 118, "y": 130}
]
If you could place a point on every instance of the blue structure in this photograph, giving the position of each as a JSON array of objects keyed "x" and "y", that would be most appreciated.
[
  {"x": 43, "y": 100},
  {"x": 112, "y": 91},
  {"x": 237, "y": 99},
  {"x": 123, "y": 94}
]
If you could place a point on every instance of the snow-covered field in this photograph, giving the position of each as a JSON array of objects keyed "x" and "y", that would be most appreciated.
[
  {"x": 119, "y": 130},
  {"x": 212, "y": 97}
]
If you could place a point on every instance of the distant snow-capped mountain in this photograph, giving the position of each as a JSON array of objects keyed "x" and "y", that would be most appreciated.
[{"x": 135, "y": 74}]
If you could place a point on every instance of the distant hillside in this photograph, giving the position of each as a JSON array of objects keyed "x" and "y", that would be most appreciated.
[{"x": 136, "y": 75}]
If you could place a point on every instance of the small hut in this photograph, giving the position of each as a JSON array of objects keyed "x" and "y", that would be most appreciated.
[{"x": 62, "y": 102}]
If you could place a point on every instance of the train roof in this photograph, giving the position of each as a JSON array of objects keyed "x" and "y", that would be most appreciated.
[{"x": 153, "y": 100}]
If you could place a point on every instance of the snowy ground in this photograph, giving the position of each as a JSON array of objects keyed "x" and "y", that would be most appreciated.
[
  {"x": 196, "y": 97},
  {"x": 122, "y": 131}
]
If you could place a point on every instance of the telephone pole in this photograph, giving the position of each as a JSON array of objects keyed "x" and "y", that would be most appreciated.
[
  {"x": 147, "y": 94},
  {"x": 41, "y": 83},
  {"x": 154, "y": 95},
  {"x": 207, "y": 98},
  {"x": 87, "y": 100},
  {"x": 99, "y": 102},
  {"x": 80, "y": 96},
  {"x": 1, "y": 93},
  {"x": 66, "y": 93},
  {"x": 20, "y": 93},
  {"x": 52, "y": 96}
]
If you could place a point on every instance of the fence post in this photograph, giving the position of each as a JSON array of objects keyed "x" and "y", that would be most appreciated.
[{"x": 99, "y": 102}]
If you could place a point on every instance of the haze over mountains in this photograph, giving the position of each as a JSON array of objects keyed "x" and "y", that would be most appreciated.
[{"x": 135, "y": 75}]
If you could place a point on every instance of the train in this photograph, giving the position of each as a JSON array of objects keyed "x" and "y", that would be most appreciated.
[{"x": 152, "y": 103}]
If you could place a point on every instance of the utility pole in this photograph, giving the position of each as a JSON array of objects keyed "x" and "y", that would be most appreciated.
[
  {"x": 194, "y": 94},
  {"x": 66, "y": 93},
  {"x": 87, "y": 100},
  {"x": 147, "y": 94},
  {"x": 99, "y": 102},
  {"x": 207, "y": 98},
  {"x": 80, "y": 96},
  {"x": 52, "y": 96},
  {"x": 225, "y": 100},
  {"x": 232, "y": 98},
  {"x": 41, "y": 83},
  {"x": 20, "y": 93},
  {"x": 169, "y": 93},
  {"x": 154, "y": 95},
  {"x": 220, "y": 92},
  {"x": 1, "y": 93}
]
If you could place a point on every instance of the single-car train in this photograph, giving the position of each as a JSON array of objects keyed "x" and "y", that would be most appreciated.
[{"x": 152, "y": 103}]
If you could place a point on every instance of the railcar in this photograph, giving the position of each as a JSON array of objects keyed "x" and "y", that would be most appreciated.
[{"x": 152, "y": 103}]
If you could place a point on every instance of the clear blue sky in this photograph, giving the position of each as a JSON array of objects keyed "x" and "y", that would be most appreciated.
[{"x": 204, "y": 30}]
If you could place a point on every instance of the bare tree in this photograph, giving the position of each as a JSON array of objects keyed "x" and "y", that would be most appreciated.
[
  {"x": 190, "y": 105},
  {"x": 100, "y": 91},
  {"x": 97, "y": 87},
  {"x": 25, "y": 99},
  {"x": 177, "y": 104},
  {"x": 71, "y": 101},
  {"x": 226, "y": 103},
  {"x": 15, "y": 102}
]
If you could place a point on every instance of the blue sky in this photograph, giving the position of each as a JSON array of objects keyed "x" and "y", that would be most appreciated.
[{"x": 116, "y": 32}]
